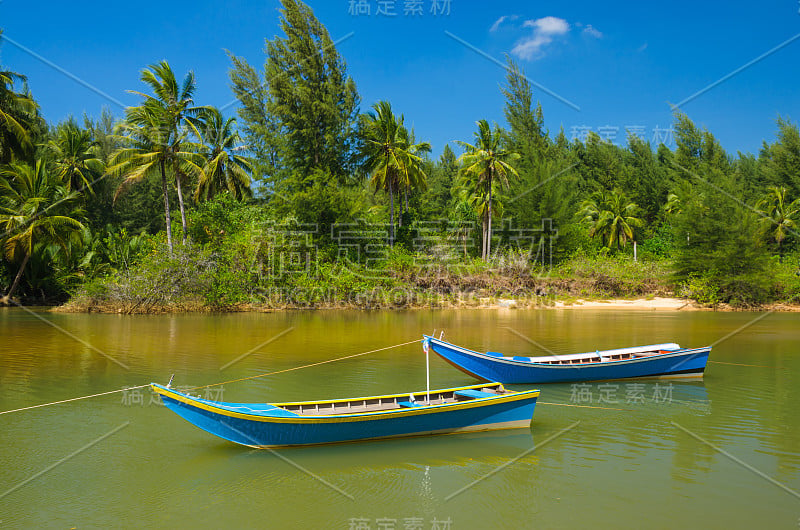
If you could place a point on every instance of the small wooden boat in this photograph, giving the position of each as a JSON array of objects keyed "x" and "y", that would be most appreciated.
[
  {"x": 469, "y": 408},
  {"x": 657, "y": 360}
]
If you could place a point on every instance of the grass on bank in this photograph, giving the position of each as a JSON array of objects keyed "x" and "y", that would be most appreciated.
[
  {"x": 197, "y": 278},
  {"x": 236, "y": 259}
]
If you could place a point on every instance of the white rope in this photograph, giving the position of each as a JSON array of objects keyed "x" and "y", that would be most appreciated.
[
  {"x": 305, "y": 365},
  {"x": 73, "y": 399},
  {"x": 215, "y": 384}
]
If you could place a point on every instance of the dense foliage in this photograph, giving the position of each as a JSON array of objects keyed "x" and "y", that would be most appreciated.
[{"x": 350, "y": 208}]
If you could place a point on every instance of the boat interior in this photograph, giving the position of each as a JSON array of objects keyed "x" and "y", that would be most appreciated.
[
  {"x": 384, "y": 403},
  {"x": 623, "y": 354}
]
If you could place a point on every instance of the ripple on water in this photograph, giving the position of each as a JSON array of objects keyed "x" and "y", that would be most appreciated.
[{"x": 617, "y": 466}]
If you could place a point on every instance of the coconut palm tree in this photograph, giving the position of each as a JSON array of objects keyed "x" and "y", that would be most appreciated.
[
  {"x": 414, "y": 180},
  {"x": 389, "y": 155},
  {"x": 223, "y": 169},
  {"x": 462, "y": 213},
  {"x": 612, "y": 216},
  {"x": 482, "y": 164},
  {"x": 779, "y": 218},
  {"x": 17, "y": 113},
  {"x": 35, "y": 209},
  {"x": 171, "y": 104},
  {"x": 75, "y": 154},
  {"x": 149, "y": 150},
  {"x": 673, "y": 204}
]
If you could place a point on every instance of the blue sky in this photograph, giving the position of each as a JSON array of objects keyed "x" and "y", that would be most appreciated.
[{"x": 619, "y": 64}]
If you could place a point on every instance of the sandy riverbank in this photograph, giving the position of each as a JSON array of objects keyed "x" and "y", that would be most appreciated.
[
  {"x": 662, "y": 304},
  {"x": 656, "y": 303},
  {"x": 650, "y": 304}
]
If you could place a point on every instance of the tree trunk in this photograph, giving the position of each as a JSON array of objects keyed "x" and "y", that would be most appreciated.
[
  {"x": 166, "y": 207},
  {"x": 489, "y": 223},
  {"x": 483, "y": 236},
  {"x": 489, "y": 216},
  {"x": 400, "y": 217},
  {"x": 391, "y": 214},
  {"x": 180, "y": 203},
  {"x": 10, "y": 293}
]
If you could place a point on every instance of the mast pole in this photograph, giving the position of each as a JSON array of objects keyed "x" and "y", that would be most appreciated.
[{"x": 428, "y": 375}]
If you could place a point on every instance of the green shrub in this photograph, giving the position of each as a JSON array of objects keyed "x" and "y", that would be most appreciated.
[{"x": 703, "y": 289}]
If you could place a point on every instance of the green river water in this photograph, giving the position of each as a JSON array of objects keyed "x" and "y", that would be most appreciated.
[{"x": 723, "y": 452}]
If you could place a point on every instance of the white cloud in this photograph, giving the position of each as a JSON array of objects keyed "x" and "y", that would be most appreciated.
[
  {"x": 545, "y": 29},
  {"x": 642, "y": 48},
  {"x": 592, "y": 32},
  {"x": 548, "y": 25},
  {"x": 501, "y": 20}
]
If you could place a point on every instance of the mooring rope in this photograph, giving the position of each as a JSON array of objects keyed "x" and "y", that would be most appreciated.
[
  {"x": 740, "y": 364},
  {"x": 578, "y": 406},
  {"x": 305, "y": 366},
  {"x": 74, "y": 399},
  {"x": 126, "y": 389}
]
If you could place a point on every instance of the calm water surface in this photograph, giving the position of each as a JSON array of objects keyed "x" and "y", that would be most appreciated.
[{"x": 721, "y": 453}]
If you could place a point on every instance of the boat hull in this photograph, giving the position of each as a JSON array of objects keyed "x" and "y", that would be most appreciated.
[
  {"x": 262, "y": 430},
  {"x": 685, "y": 363}
]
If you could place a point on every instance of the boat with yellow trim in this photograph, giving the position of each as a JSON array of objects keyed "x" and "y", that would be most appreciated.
[{"x": 480, "y": 407}]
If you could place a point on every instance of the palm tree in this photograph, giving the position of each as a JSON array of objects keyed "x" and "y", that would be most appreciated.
[
  {"x": 30, "y": 199},
  {"x": 76, "y": 162},
  {"x": 172, "y": 103},
  {"x": 779, "y": 218},
  {"x": 17, "y": 112},
  {"x": 673, "y": 204},
  {"x": 472, "y": 194},
  {"x": 223, "y": 169},
  {"x": 484, "y": 163},
  {"x": 148, "y": 150},
  {"x": 463, "y": 214},
  {"x": 611, "y": 216},
  {"x": 389, "y": 154},
  {"x": 414, "y": 179}
]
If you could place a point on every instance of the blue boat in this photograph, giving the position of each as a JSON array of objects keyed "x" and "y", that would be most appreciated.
[
  {"x": 657, "y": 360},
  {"x": 469, "y": 408}
]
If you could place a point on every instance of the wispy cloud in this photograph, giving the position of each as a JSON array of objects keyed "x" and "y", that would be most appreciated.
[
  {"x": 592, "y": 32},
  {"x": 545, "y": 29},
  {"x": 499, "y": 22},
  {"x": 642, "y": 48}
]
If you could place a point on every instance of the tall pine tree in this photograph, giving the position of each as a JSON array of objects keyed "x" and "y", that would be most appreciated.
[
  {"x": 715, "y": 228},
  {"x": 301, "y": 117}
]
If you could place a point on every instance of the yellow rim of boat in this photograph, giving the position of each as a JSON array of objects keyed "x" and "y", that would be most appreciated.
[{"x": 338, "y": 418}]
